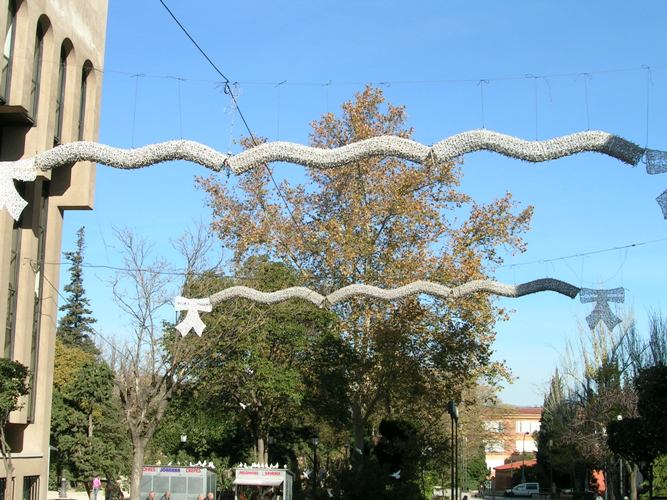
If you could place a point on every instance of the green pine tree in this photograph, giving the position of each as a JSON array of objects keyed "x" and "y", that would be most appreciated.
[{"x": 75, "y": 326}]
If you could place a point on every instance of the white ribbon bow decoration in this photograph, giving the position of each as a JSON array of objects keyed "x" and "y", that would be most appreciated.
[
  {"x": 21, "y": 170},
  {"x": 602, "y": 311},
  {"x": 192, "y": 321}
]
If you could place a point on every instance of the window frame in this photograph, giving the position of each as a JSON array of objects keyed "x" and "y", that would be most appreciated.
[
  {"x": 36, "y": 78},
  {"x": 8, "y": 55},
  {"x": 86, "y": 69},
  {"x": 60, "y": 96}
]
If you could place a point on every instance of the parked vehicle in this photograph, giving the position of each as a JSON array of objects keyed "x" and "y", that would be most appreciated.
[{"x": 524, "y": 490}]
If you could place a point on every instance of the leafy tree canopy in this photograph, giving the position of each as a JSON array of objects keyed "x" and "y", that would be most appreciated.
[
  {"x": 383, "y": 222},
  {"x": 13, "y": 385}
]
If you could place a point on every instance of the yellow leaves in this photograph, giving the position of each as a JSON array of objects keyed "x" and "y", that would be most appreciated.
[
  {"x": 68, "y": 361},
  {"x": 379, "y": 221}
]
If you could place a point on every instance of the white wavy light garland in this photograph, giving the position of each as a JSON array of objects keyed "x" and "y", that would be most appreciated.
[
  {"x": 601, "y": 312},
  {"x": 193, "y": 306},
  {"x": 445, "y": 150},
  {"x": 415, "y": 288}
]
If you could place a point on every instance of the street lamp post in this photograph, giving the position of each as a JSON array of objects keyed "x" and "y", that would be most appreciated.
[
  {"x": 184, "y": 442},
  {"x": 464, "y": 463},
  {"x": 620, "y": 466},
  {"x": 523, "y": 457},
  {"x": 314, "y": 441},
  {"x": 454, "y": 414}
]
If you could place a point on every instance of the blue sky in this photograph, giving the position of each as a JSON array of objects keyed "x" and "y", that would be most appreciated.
[{"x": 534, "y": 69}]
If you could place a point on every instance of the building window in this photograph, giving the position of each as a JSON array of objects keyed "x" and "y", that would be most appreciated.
[
  {"x": 494, "y": 447},
  {"x": 85, "y": 73},
  {"x": 8, "y": 52},
  {"x": 494, "y": 426},
  {"x": 39, "y": 295},
  {"x": 12, "y": 295},
  {"x": 36, "y": 69},
  {"x": 523, "y": 426},
  {"x": 60, "y": 95},
  {"x": 31, "y": 488},
  {"x": 526, "y": 445}
]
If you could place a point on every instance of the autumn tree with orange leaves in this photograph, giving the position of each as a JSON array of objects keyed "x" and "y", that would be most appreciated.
[{"x": 383, "y": 222}]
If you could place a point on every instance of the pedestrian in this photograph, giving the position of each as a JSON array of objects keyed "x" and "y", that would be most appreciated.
[
  {"x": 166, "y": 496},
  {"x": 201, "y": 497},
  {"x": 97, "y": 484},
  {"x": 210, "y": 496},
  {"x": 151, "y": 495}
]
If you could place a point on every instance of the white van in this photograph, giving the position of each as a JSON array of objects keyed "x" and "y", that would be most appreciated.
[{"x": 524, "y": 490}]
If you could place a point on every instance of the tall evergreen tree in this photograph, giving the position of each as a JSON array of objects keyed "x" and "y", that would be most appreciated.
[{"x": 75, "y": 326}]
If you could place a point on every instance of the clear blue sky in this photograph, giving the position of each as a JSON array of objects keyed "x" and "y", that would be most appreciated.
[{"x": 429, "y": 56}]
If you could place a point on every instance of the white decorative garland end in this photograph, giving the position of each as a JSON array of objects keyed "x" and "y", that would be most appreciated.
[
  {"x": 192, "y": 321},
  {"x": 10, "y": 171}
]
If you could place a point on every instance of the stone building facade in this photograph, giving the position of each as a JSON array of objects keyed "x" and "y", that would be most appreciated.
[{"x": 50, "y": 92}]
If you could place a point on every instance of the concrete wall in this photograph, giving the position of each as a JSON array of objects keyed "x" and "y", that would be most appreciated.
[{"x": 30, "y": 337}]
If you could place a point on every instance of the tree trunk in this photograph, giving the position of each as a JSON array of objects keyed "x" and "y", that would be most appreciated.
[
  {"x": 262, "y": 450},
  {"x": 6, "y": 453},
  {"x": 139, "y": 450},
  {"x": 357, "y": 430},
  {"x": 632, "y": 479},
  {"x": 9, "y": 482}
]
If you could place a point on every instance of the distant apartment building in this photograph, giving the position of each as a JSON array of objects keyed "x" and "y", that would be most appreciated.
[
  {"x": 50, "y": 90},
  {"x": 512, "y": 433}
]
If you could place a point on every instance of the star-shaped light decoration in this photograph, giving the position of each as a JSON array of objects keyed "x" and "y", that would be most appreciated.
[
  {"x": 602, "y": 311},
  {"x": 10, "y": 171},
  {"x": 192, "y": 321}
]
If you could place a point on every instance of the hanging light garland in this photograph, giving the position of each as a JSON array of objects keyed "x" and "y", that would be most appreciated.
[
  {"x": 445, "y": 150},
  {"x": 601, "y": 312}
]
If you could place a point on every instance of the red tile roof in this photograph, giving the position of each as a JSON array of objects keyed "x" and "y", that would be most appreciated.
[
  {"x": 536, "y": 410},
  {"x": 517, "y": 465}
]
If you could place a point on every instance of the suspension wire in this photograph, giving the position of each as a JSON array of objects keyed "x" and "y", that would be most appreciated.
[
  {"x": 134, "y": 108},
  {"x": 649, "y": 82},
  {"x": 219, "y": 273},
  {"x": 228, "y": 91},
  {"x": 583, "y": 254},
  {"x": 481, "y": 84},
  {"x": 585, "y": 77},
  {"x": 389, "y": 83},
  {"x": 111, "y": 344}
]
